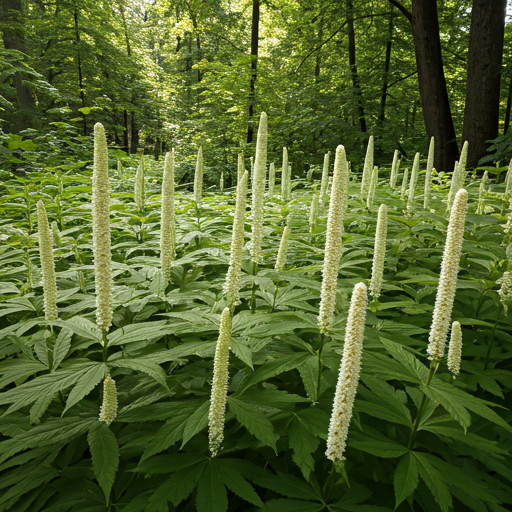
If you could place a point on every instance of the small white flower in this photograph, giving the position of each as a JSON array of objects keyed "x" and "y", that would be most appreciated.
[
  {"x": 455, "y": 349},
  {"x": 448, "y": 278},
  {"x": 348, "y": 378},
  {"x": 505, "y": 292},
  {"x": 218, "y": 398},
  {"x": 283, "y": 249},
  {"x": 379, "y": 251},
  {"x": 284, "y": 176},
  {"x": 47, "y": 265}
]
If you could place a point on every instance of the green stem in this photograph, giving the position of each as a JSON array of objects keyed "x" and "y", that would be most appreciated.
[
  {"x": 433, "y": 368},
  {"x": 320, "y": 365},
  {"x": 492, "y": 337},
  {"x": 329, "y": 485},
  {"x": 105, "y": 345},
  {"x": 253, "y": 294}
]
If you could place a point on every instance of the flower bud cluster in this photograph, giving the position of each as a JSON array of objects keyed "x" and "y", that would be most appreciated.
[
  {"x": 108, "y": 411},
  {"x": 283, "y": 249},
  {"x": 373, "y": 186},
  {"x": 258, "y": 190},
  {"x": 324, "y": 184},
  {"x": 232, "y": 284},
  {"x": 271, "y": 180},
  {"x": 348, "y": 378},
  {"x": 379, "y": 251},
  {"x": 219, "y": 394},
  {"x": 168, "y": 227},
  {"x": 448, "y": 278},
  {"x": 337, "y": 206},
  {"x": 414, "y": 178},
  {"x": 368, "y": 168},
  {"x": 455, "y": 349},
  {"x": 101, "y": 230},
  {"x": 505, "y": 292},
  {"x": 394, "y": 170},
  {"x": 428, "y": 175},
  {"x": 240, "y": 167},
  {"x": 47, "y": 266},
  {"x": 198, "y": 177},
  {"x": 480, "y": 210}
]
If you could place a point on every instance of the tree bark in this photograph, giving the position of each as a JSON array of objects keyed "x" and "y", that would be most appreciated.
[
  {"x": 432, "y": 83},
  {"x": 134, "y": 140},
  {"x": 254, "y": 66},
  {"x": 507, "y": 111},
  {"x": 14, "y": 39},
  {"x": 387, "y": 63},
  {"x": 126, "y": 136},
  {"x": 481, "y": 112},
  {"x": 79, "y": 65}
]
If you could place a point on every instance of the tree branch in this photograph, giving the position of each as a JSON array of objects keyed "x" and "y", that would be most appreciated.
[
  {"x": 402, "y": 78},
  {"x": 404, "y": 11}
]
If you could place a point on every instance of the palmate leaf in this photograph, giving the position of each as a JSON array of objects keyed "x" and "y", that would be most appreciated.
[
  {"x": 288, "y": 485},
  {"x": 419, "y": 370},
  {"x": 254, "y": 421},
  {"x": 406, "y": 478},
  {"x": 144, "y": 331},
  {"x": 303, "y": 443},
  {"x": 153, "y": 370},
  {"x": 105, "y": 456},
  {"x": 435, "y": 481},
  {"x": 19, "y": 369},
  {"x": 197, "y": 422},
  {"x": 87, "y": 382},
  {"x": 211, "y": 491},
  {"x": 287, "y": 505},
  {"x": 372, "y": 441}
]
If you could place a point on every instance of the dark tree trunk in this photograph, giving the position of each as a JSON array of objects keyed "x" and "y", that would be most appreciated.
[
  {"x": 14, "y": 39},
  {"x": 385, "y": 80},
  {"x": 134, "y": 143},
  {"x": 254, "y": 66},
  {"x": 79, "y": 65},
  {"x": 507, "y": 111},
  {"x": 481, "y": 112},
  {"x": 352, "y": 64},
  {"x": 432, "y": 83},
  {"x": 126, "y": 138},
  {"x": 156, "y": 149}
]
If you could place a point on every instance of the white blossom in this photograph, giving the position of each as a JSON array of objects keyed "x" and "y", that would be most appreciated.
[
  {"x": 455, "y": 349},
  {"x": 232, "y": 284},
  {"x": 324, "y": 184},
  {"x": 283, "y": 249},
  {"x": 373, "y": 186},
  {"x": 379, "y": 251},
  {"x": 219, "y": 393},
  {"x": 258, "y": 190},
  {"x": 101, "y": 230},
  {"x": 337, "y": 206},
  {"x": 47, "y": 265},
  {"x": 505, "y": 291},
  {"x": 394, "y": 170},
  {"x": 348, "y": 378},
  {"x": 403, "y": 189},
  {"x": 414, "y": 179},
  {"x": 313, "y": 211},
  {"x": 167, "y": 227},
  {"x": 428, "y": 175},
  {"x": 271, "y": 180},
  {"x": 198, "y": 177},
  {"x": 448, "y": 278},
  {"x": 368, "y": 168},
  {"x": 108, "y": 411},
  {"x": 284, "y": 175},
  {"x": 240, "y": 167}
]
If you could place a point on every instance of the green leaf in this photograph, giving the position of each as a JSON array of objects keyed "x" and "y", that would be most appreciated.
[
  {"x": 211, "y": 492},
  {"x": 138, "y": 332},
  {"x": 254, "y": 421},
  {"x": 61, "y": 347},
  {"x": 406, "y": 478},
  {"x": 287, "y": 485},
  {"x": 435, "y": 481},
  {"x": 81, "y": 326},
  {"x": 303, "y": 443},
  {"x": 88, "y": 381},
  {"x": 236, "y": 483},
  {"x": 371, "y": 441},
  {"x": 197, "y": 422},
  {"x": 419, "y": 370},
  {"x": 308, "y": 371},
  {"x": 105, "y": 456},
  {"x": 286, "y": 505},
  {"x": 153, "y": 370}
]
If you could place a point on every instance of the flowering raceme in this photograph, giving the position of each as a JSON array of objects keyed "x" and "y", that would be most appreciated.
[
  {"x": 368, "y": 168},
  {"x": 428, "y": 175},
  {"x": 448, "y": 278},
  {"x": 348, "y": 378},
  {"x": 505, "y": 291},
  {"x": 101, "y": 230},
  {"x": 218, "y": 398},
  {"x": 455, "y": 349},
  {"x": 337, "y": 206},
  {"x": 283, "y": 249},
  {"x": 403, "y": 189},
  {"x": 198, "y": 178},
  {"x": 47, "y": 265},
  {"x": 284, "y": 175},
  {"x": 394, "y": 170},
  {"x": 313, "y": 211},
  {"x": 379, "y": 251},
  {"x": 232, "y": 283},
  {"x": 108, "y": 411},
  {"x": 373, "y": 186},
  {"x": 167, "y": 228},
  {"x": 271, "y": 180},
  {"x": 324, "y": 184},
  {"x": 414, "y": 179}
]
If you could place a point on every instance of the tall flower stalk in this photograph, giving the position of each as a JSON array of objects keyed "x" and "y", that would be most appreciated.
[
  {"x": 481, "y": 193},
  {"x": 313, "y": 211},
  {"x": 337, "y": 206},
  {"x": 167, "y": 222},
  {"x": 462, "y": 165},
  {"x": 394, "y": 170},
  {"x": 284, "y": 175},
  {"x": 508, "y": 179},
  {"x": 324, "y": 184},
  {"x": 414, "y": 179},
  {"x": 455, "y": 349},
  {"x": 219, "y": 393},
  {"x": 198, "y": 178},
  {"x": 403, "y": 189},
  {"x": 379, "y": 252},
  {"x": 348, "y": 378},
  {"x": 232, "y": 284},
  {"x": 283, "y": 249},
  {"x": 101, "y": 233},
  {"x": 139, "y": 189},
  {"x": 271, "y": 180},
  {"x": 240, "y": 167},
  {"x": 454, "y": 186},
  {"x": 47, "y": 264},
  {"x": 428, "y": 175},
  {"x": 367, "y": 169},
  {"x": 373, "y": 187},
  {"x": 448, "y": 278}
]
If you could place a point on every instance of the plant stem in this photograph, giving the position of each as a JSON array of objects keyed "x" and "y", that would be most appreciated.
[
  {"x": 253, "y": 295},
  {"x": 433, "y": 368},
  {"x": 320, "y": 365},
  {"x": 329, "y": 485},
  {"x": 105, "y": 345},
  {"x": 492, "y": 338}
]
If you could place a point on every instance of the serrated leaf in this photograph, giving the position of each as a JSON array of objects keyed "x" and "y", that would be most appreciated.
[
  {"x": 81, "y": 326},
  {"x": 211, "y": 492},
  {"x": 406, "y": 478},
  {"x": 105, "y": 456},
  {"x": 386, "y": 448},
  {"x": 61, "y": 347},
  {"x": 308, "y": 371},
  {"x": 254, "y": 421},
  {"x": 435, "y": 482},
  {"x": 155, "y": 371},
  {"x": 87, "y": 382},
  {"x": 137, "y": 332},
  {"x": 303, "y": 443},
  {"x": 197, "y": 422},
  {"x": 161, "y": 464},
  {"x": 236, "y": 483},
  {"x": 286, "y": 505},
  {"x": 39, "y": 408},
  {"x": 287, "y": 485},
  {"x": 415, "y": 367}
]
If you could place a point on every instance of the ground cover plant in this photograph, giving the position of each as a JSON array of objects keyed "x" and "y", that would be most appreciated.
[{"x": 256, "y": 348}]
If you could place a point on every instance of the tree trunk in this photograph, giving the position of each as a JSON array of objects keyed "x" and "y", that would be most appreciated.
[
  {"x": 432, "y": 83},
  {"x": 134, "y": 142},
  {"x": 254, "y": 66},
  {"x": 14, "y": 39},
  {"x": 481, "y": 112},
  {"x": 79, "y": 64},
  {"x": 126, "y": 136},
  {"x": 385, "y": 80},
  {"x": 352, "y": 64},
  {"x": 507, "y": 111}
]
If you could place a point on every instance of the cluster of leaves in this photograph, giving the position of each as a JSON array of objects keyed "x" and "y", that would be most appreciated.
[{"x": 55, "y": 454}]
